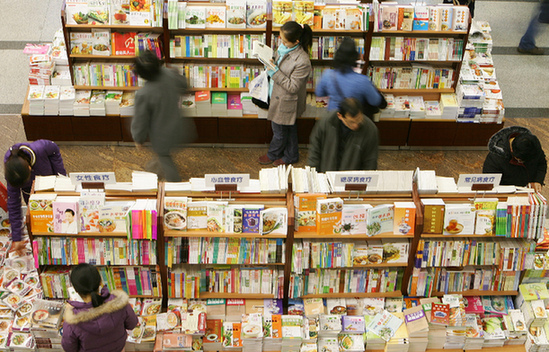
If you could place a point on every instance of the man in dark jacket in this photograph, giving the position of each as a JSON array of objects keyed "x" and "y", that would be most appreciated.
[
  {"x": 22, "y": 163},
  {"x": 158, "y": 114},
  {"x": 516, "y": 153},
  {"x": 344, "y": 140}
]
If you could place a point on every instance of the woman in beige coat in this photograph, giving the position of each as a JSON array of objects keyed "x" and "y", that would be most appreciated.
[{"x": 288, "y": 92}]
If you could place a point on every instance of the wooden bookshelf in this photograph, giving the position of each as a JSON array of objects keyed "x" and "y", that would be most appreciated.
[
  {"x": 130, "y": 88},
  {"x": 396, "y": 293},
  {"x": 175, "y": 233},
  {"x": 478, "y": 293},
  {"x": 380, "y": 265},
  {"x": 206, "y": 295},
  {"x": 314, "y": 235},
  {"x": 114, "y": 27},
  {"x": 420, "y": 33},
  {"x": 106, "y": 57},
  {"x": 82, "y": 234}
]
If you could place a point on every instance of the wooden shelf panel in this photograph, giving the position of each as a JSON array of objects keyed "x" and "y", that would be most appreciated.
[
  {"x": 356, "y": 294},
  {"x": 203, "y": 295},
  {"x": 358, "y": 237},
  {"x": 175, "y": 233},
  {"x": 479, "y": 293},
  {"x": 78, "y": 87}
]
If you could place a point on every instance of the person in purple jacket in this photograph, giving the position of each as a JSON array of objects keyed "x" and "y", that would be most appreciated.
[
  {"x": 22, "y": 162},
  {"x": 99, "y": 323}
]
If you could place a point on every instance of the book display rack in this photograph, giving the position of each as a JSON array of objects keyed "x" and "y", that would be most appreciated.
[{"x": 194, "y": 50}]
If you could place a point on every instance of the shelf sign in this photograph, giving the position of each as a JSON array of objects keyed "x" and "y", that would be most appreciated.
[
  {"x": 346, "y": 180},
  {"x": 240, "y": 180},
  {"x": 99, "y": 177},
  {"x": 478, "y": 182}
]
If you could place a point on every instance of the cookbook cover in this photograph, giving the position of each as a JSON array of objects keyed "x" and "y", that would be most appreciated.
[{"x": 328, "y": 216}]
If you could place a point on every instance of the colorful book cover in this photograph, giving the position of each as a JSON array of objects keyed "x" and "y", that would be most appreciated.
[
  {"x": 389, "y": 16},
  {"x": 112, "y": 217},
  {"x": 41, "y": 211},
  {"x": 460, "y": 21},
  {"x": 65, "y": 215},
  {"x": 440, "y": 313},
  {"x": 380, "y": 219},
  {"x": 446, "y": 15},
  {"x": 175, "y": 213},
  {"x": 473, "y": 305},
  {"x": 459, "y": 218},
  {"x": 120, "y": 11},
  {"x": 273, "y": 221},
  {"x": 98, "y": 12},
  {"x": 76, "y": 12},
  {"x": 197, "y": 215},
  {"x": 256, "y": 13},
  {"x": 433, "y": 215},
  {"x": 434, "y": 18},
  {"x": 216, "y": 216},
  {"x": 89, "y": 206},
  {"x": 215, "y": 17},
  {"x": 404, "y": 218},
  {"x": 303, "y": 12},
  {"x": 236, "y": 14},
  {"x": 282, "y": 12},
  {"x": 385, "y": 325},
  {"x": 305, "y": 211},
  {"x": 421, "y": 18},
  {"x": 328, "y": 216},
  {"x": 353, "y": 219},
  {"x": 140, "y": 13},
  {"x": 251, "y": 218}
]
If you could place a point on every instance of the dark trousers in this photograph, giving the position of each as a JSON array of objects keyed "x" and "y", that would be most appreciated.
[{"x": 284, "y": 143}]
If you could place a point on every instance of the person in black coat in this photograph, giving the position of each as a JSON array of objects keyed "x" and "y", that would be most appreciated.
[{"x": 516, "y": 153}]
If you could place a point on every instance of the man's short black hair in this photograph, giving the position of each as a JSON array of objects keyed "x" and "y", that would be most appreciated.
[
  {"x": 349, "y": 106},
  {"x": 526, "y": 146},
  {"x": 147, "y": 65}
]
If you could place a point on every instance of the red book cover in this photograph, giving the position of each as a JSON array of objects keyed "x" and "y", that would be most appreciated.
[{"x": 440, "y": 313}]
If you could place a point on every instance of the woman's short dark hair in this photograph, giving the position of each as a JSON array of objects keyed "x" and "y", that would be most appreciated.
[
  {"x": 526, "y": 146},
  {"x": 85, "y": 279},
  {"x": 346, "y": 55},
  {"x": 349, "y": 106},
  {"x": 147, "y": 65},
  {"x": 293, "y": 32},
  {"x": 17, "y": 169},
  {"x": 70, "y": 211}
]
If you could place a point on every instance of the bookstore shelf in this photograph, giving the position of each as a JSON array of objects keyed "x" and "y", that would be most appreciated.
[
  {"x": 106, "y": 57},
  {"x": 78, "y": 87},
  {"x": 436, "y": 62},
  {"x": 194, "y": 89},
  {"x": 418, "y": 92},
  {"x": 382, "y": 265},
  {"x": 396, "y": 293},
  {"x": 423, "y": 235},
  {"x": 218, "y": 30},
  {"x": 206, "y": 295},
  {"x": 128, "y": 28},
  {"x": 351, "y": 237},
  {"x": 233, "y": 60},
  {"x": 421, "y": 33},
  {"x": 325, "y": 32},
  {"x": 83, "y": 234},
  {"x": 175, "y": 233},
  {"x": 478, "y": 293}
]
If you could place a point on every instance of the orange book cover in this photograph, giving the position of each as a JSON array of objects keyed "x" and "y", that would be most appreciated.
[
  {"x": 305, "y": 211},
  {"x": 328, "y": 216}
]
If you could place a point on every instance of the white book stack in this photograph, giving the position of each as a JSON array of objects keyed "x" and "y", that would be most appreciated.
[
  {"x": 427, "y": 182},
  {"x": 432, "y": 109},
  {"x": 67, "y": 95},
  {"x": 470, "y": 98},
  {"x": 273, "y": 179},
  {"x": 113, "y": 98},
  {"x": 248, "y": 108},
  {"x": 144, "y": 181},
  {"x": 59, "y": 50},
  {"x": 389, "y": 111},
  {"x": 448, "y": 106},
  {"x": 51, "y": 100},
  {"x": 402, "y": 107},
  {"x": 188, "y": 105},
  {"x": 127, "y": 105},
  {"x": 455, "y": 337},
  {"x": 82, "y": 103},
  {"x": 97, "y": 103},
  {"x": 36, "y": 99},
  {"x": 437, "y": 336},
  {"x": 417, "y": 107},
  {"x": 41, "y": 67},
  {"x": 61, "y": 76}
]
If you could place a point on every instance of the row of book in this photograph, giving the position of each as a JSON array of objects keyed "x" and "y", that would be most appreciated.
[
  {"x": 182, "y": 213},
  {"x": 414, "y": 76},
  {"x": 324, "y": 48},
  {"x": 318, "y": 253},
  {"x": 107, "y": 74},
  {"x": 90, "y": 212},
  {"x": 426, "y": 281},
  {"x": 505, "y": 254},
  {"x": 189, "y": 281},
  {"x": 114, "y": 12},
  {"x": 392, "y": 17},
  {"x": 219, "y": 76},
  {"x": 314, "y": 281},
  {"x": 416, "y": 49},
  {"x": 224, "y": 250},
  {"x": 96, "y": 251},
  {"x": 415, "y": 107},
  {"x": 238, "y": 46},
  {"x": 103, "y": 42},
  {"x": 134, "y": 280}
]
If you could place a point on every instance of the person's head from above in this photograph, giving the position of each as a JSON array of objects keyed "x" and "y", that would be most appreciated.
[
  {"x": 147, "y": 65},
  {"x": 350, "y": 113},
  {"x": 292, "y": 34},
  {"x": 17, "y": 169},
  {"x": 86, "y": 280},
  {"x": 69, "y": 215},
  {"x": 346, "y": 55},
  {"x": 524, "y": 147}
]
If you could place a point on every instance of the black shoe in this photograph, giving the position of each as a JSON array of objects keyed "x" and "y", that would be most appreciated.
[{"x": 534, "y": 51}]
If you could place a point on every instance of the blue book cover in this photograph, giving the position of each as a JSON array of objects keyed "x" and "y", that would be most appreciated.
[{"x": 250, "y": 219}]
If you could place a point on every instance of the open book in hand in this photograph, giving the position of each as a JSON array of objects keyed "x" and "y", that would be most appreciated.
[{"x": 264, "y": 54}]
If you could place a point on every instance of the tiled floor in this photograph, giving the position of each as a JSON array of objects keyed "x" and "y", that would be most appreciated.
[{"x": 523, "y": 80}]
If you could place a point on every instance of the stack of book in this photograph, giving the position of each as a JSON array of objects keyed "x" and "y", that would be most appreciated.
[
  {"x": 219, "y": 104},
  {"x": 402, "y": 106},
  {"x": 474, "y": 339},
  {"x": 234, "y": 105},
  {"x": 203, "y": 103},
  {"x": 97, "y": 103},
  {"x": 113, "y": 99},
  {"x": 188, "y": 105},
  {"x": 248, "y": 107},
  {"x": 36, "y": 99},
  {"x": 61, "y": 76},
  {"x": 51, "y": 100},
  {"x": 292, "y": 334},
  {"x": 389, "y": 111},
  {"x": 400, "y": 342},
  {"x": 252, "y": 332},
  {"x": 448, "y": 106},
  {"x": 81, "y": 105},
  {"x": 418, "y": 328},
  {"x": 67, "y": 95},
  {"x": 417, "y": 107},
  {"x": 127, "y": 105},
  {"x": 470, "y": 98},
  {"x": 432, "y": 109},
  {"x": 40, "y": 69}
]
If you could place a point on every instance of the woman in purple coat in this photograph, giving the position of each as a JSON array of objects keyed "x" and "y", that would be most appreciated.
[
  {"x": 99, "y": 323},
  {"x": 22, "y": 162}
]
